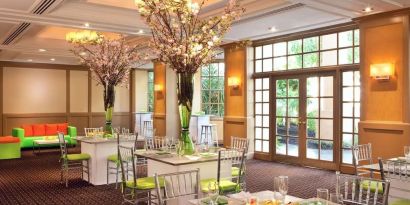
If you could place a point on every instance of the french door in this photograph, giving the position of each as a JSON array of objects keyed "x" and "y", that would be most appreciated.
[{"x": 304, "y": 125}]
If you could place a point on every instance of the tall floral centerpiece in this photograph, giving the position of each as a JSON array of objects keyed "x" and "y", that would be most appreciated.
[
  {"x": 185, "y": 40},
  {"x": 109, "y": 61}
]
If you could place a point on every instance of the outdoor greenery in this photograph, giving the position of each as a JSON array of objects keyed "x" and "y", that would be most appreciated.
[
  {"x": 150, "y": 91},
  {"x": 212, "y": 89}
]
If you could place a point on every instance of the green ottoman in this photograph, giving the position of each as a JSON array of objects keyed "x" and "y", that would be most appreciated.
[{"x": 9, "y": 147}]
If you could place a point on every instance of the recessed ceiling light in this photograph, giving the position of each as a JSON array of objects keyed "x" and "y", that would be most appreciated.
[
  {"x": 272, "y": 29},
  {"x": 86, "y": 25},
  {"x": 368, "y": 9},
  {"x": 141, "y": 31},
  {"x": 52, "y": 59},
  {"x": 42, "y": 50},
  {"x": 29, "y": 60},
  {"x": 83, "y": 53}
]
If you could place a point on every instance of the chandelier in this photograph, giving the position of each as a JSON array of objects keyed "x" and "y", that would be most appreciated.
[{"x": 85, "y": 36}]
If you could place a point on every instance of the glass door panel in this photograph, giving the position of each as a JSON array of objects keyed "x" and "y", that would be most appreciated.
[
  {"x": 287, "y": 117},
  {"x": 319, "y": 118}
]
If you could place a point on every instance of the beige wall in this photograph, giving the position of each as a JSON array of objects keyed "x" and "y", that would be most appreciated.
[
  {"x": 78, "y": 91},
  {"x": 172, "y": 115},
  {"x": 28, "y": 90},
  {"x": 141, "y": 90},
  {"x": 122, "y": 102}
]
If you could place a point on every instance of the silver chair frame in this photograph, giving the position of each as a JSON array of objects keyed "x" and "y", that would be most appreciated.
[
  {"x": 177, "y": 185},
  {"x": 362, "y": 153},
  {"x": 67, "y": 165},
  {"x": 398, "y": 173},
  {"x": 236, "y": 158},
  {"x": 351, "y": 188}
]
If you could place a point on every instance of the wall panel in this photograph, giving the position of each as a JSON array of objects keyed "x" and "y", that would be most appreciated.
[{"x": 78, "y": 91}]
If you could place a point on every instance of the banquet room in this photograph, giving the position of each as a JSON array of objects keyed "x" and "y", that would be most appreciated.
[{"x": 205, "y": 102}]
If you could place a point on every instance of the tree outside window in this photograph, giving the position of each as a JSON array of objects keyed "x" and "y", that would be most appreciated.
[
  {"x": 212, "y": 89},
  {"x": 150, "y": 91}
]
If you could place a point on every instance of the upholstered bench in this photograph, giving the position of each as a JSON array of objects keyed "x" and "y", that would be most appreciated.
[{"x": 9, "y": 147}]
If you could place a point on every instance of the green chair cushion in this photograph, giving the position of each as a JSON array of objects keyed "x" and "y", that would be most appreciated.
[
  {"x": 373, "y": 186},
  {"x": 144, "y": 183},
  {"x": 113, "y": 158},
  {"x": 77, "y": 157},
  {"x": 224, "y": 185},
  {"x": 401, "y": 202},
  {"x": 235, "y": 171}
]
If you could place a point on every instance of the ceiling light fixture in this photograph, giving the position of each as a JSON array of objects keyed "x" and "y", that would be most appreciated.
[
  {"x": 83, "y": 53},
  {"x": 368, "y": 9},
  {"x": 272, "y": 29},
  {"x": 87, "y": 25},
  {"x": 42, "y": 50},
  {"x": 141, "y": 31},
  {"x": 52, "y": 59},
  {"x": 29, "y": 60}
]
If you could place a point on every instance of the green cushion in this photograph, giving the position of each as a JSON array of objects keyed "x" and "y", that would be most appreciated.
[
  {"x": 113, "y": 158},
  {"x": 145, "y": 183},
  {"x": 401, "y": 202},
  {"x": 76, "y": 157},
  {"x": 373, "y": 186},
  {"x": 235, "y": 171},
  {"x": 224, "y": 185}
]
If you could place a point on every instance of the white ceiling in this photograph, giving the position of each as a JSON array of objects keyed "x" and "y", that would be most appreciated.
[{"x": 46, "y": 28}]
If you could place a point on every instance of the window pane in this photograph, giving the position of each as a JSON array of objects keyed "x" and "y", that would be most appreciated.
[
  {"x": 258, "y": 133},
  {"x": 266, "y": 83},
  {"x": 267, "y": 51},
  {"x": 295, "y": 62},
  {"x": 326, "y": 150},
  {"x": 357, "y": 109},
  {"x": 347, "y": 156},
  {"x": 356, "y": 55},
  {"x": 293, "y": 107},
  {"x": 348, "y": 94},
  {"x": 279, "y": 49},
  {"x": 265, "y": 146},
  {"x": 281, "y": 107},
  {"x": 356, "y": 37},
  {"x": 280, "y": 126},
  {"x": 266, "y": 108},
  {"x": 326, "y": 129},
  {"x": 213, "y": 69},
  {"x": 294, "y": 47},
  {"x": 281, "y": 88},
  {"x": 205, "y": 71},
  {"x": 357, "y": 94},
  {"x": 326, "y": 86},
  {"x": 258, "y": 145},
  {"x": 346, "y": 56},
  {"x": 258, "y": 52},
  {"x": 258, "y": 121},
  {"x": 265, "y": 96},
  {"x": 346, "y": 39},
  {"x": 214, "y": 97},
  {"x": 280, "y": 145},
  {"x": 312, "y": 151},
  {"x": 347, "y": 109},
  {"x": 312, "y": 128},
  {"x": 265, "y": 123},
  {"x": 258, "y": 108},
  {"x": 258, "y": 96},
  {"x": 258, "y": 66},
  {"x": 311, "y": 44},
  {"x": 293, "y": 146},
  {"x": 348, "y": 78},
  {"x": 279, "y": 63},
  {"x": 326, "y": 107},
  {"x": 310, "y": 60},
  {"x": 221, "y": 68},
  {"x": 328, "y": 41},
  {"x": 348, "y": 125},
  {"x": 347, "y": 141},
  {"x": 293, "y": 87},
  {"x": 266, "y": 133},
  {"x": 293, "y": 127},
  {"x": 267, "y": 65},
  {"x": 357, "y": 78},
  {"x": 258, "y": 84},
  {"x": 328, "y": 58},
  {"x": 312, "y": 108},
  {"x": 312, "y": 87}
]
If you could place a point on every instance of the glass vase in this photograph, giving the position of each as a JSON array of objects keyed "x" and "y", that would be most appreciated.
[
  {"x": 109, "y": 99},
  {"x": 185, "y": 90}
]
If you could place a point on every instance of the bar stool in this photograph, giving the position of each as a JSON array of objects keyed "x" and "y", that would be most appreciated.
[
  {"x": 209, "y": 135},
  {"x": 147, "y": 130}
]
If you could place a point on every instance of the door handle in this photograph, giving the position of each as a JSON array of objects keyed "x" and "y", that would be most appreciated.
[{"x": 301, "y": 122}]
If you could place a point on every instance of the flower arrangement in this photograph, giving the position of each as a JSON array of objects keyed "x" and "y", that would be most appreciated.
[
  {"x": 110, "y": 62},
  {"x": 186, "y": 41}
]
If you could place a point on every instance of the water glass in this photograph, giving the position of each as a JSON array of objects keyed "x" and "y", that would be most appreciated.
[
  {"x": 336, "y": 198},
  {"x": 213, "y": 192},
  {"x": 323, "y": 194},
  {"x": 281, "y": 187},
  {"x": 407, "y": 151}
]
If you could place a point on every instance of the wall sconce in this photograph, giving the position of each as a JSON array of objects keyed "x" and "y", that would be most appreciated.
[
  {"x": 158, "y": 88},
  {"x": 381, "y": 71},
  {"x": 234, "y": 82}
]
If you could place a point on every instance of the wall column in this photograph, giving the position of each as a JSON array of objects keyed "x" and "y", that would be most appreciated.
[
  {"x": 384, "y": 38},
  {"x": 238, "y": 117},
  {"x": 159, "y": 115}
]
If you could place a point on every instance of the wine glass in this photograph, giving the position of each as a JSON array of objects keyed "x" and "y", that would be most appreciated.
[
  {"x": 407, "y": 152},
  {"x": 336, "y": 198},
  {"x": 213, "y": 192},
  {"x": 322, "y": 194},
  {"x": 281, "y": 187}
]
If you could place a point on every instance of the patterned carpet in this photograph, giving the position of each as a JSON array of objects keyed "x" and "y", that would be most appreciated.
[{"x": 34, "y": 179}]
